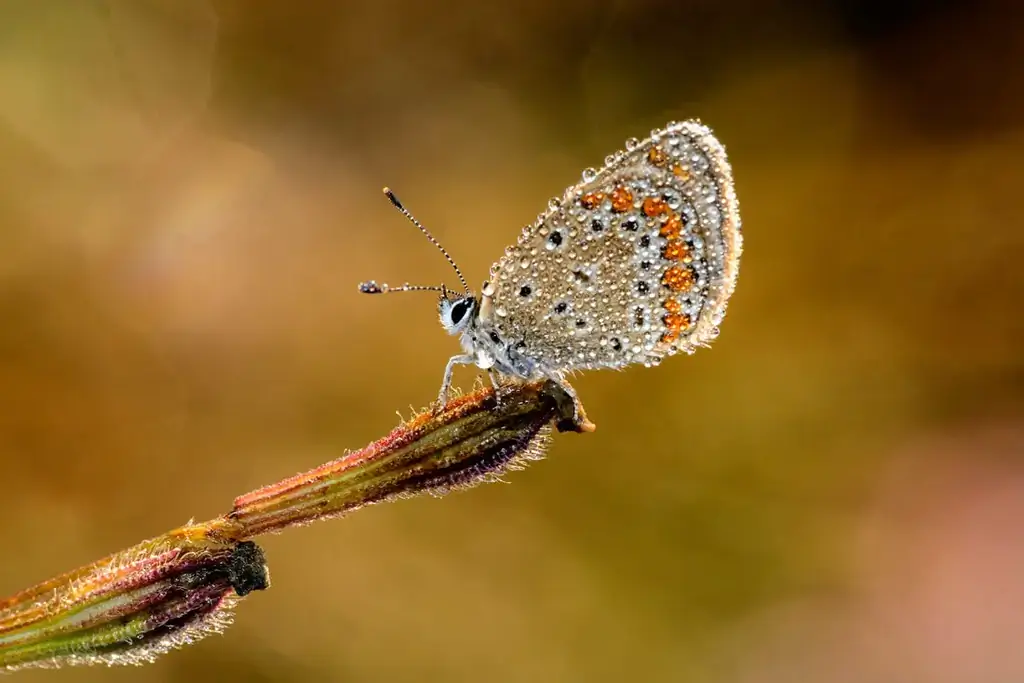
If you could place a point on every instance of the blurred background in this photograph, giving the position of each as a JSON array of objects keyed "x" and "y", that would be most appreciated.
[{"x": 190, "y": 192}]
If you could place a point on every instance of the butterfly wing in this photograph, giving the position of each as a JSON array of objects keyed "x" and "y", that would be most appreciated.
[{"x": 634, "y": 263}]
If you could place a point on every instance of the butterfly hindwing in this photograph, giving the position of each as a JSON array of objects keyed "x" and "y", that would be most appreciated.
[{"x": 635, "y": 262}]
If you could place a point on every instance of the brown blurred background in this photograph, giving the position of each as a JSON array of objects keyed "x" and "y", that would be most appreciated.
[{"x": 190, "y": 191}]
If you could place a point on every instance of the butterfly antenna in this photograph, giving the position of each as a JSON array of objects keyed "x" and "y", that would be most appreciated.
[
  {"x": 412, "y": 219},
  {"x": 371, "y": 287}
]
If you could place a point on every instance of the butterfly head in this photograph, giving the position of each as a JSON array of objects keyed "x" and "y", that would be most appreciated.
[{"x": 457, "y": 313}]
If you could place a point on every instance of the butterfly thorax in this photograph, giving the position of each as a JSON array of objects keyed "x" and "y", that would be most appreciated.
[
  {"x": 473, "y": 320},
  {"x": 505, "y": 356}
]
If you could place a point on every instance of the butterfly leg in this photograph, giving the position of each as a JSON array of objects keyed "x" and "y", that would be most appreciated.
[
  {"x": 500, "y": 387},
  {"x": 446, "y": 383}
]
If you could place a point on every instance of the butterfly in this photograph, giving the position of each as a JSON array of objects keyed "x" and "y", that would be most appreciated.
[{"x": 635, "y": 262}]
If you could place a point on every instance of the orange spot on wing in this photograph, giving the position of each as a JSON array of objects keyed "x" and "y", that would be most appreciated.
[
  {"x": 657, "y": 156},
  {"x": 654, "y": 206},
  {"x": 675, "y": 250},
  {"x": 675, "y": 323},
  {"x": 622, "y": 199},
  {"x": 672, "y": 306},
  {"x": 681, "y": 173},
  {"x": 591, "y": 200},
  {"x": 678, "y": 279},
  {"x": 672, "y": 227}
]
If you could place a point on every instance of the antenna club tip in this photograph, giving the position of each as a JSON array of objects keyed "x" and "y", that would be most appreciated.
[
  {"x": 372, "y": 287},
  {"x": 391, "y": 196}
]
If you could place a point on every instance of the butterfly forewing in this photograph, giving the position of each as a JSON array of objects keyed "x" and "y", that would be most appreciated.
[{"x": 634, "y": 263}]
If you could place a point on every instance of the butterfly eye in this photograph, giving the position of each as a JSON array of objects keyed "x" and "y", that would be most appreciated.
[{"x": 459, "y": 311}]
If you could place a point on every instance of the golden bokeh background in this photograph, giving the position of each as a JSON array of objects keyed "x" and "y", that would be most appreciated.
[{"x": 190, "y": 191}]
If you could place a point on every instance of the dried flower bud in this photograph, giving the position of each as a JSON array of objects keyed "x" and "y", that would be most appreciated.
[{"x": 133, "y": 606}]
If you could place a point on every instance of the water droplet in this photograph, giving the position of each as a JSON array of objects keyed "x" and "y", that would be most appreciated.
[
  {"x": 589, "y": 175},
  {"x": 632, "y": 144},
  {"x": 672, "y": 198}
]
